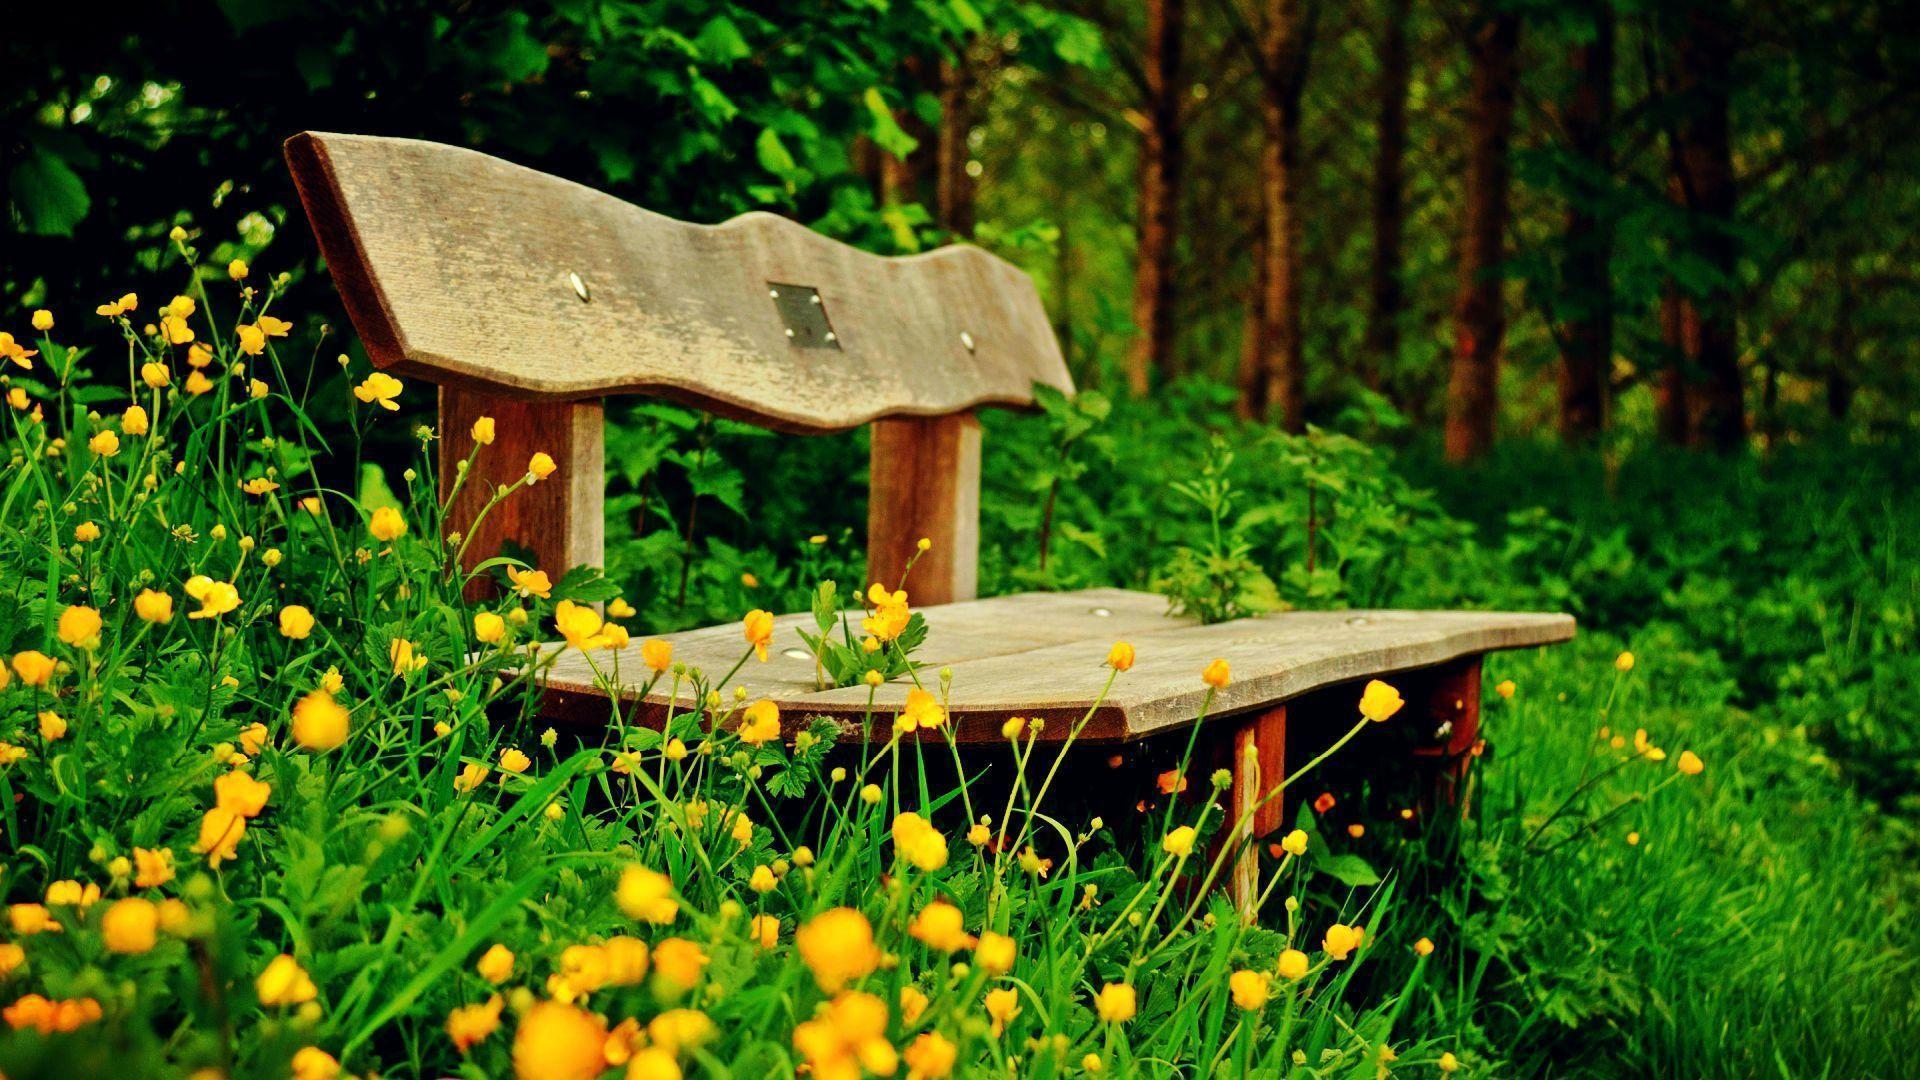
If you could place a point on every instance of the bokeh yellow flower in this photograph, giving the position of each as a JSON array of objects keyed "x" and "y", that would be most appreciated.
[
  {"x": 130, "y": 926},
  {"x": 284, "y": 982},
  {"x": 319, "y": 722},
  {"x": 1115, "y": 1003},
  {"x": 647, "y": 895},
  {"x": 556, "y": 1041},
  {"x": 837, "y": 946}
]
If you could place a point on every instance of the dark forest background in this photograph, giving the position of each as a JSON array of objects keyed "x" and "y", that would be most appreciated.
[{"x": 1635, "y": 221}]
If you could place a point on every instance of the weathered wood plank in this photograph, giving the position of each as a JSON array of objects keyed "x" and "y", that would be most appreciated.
[
  {"x": 926, "y": 484},
  {"x": 1040, "y": 655},
  {"x": 561, "y": 519},
  {"x": 460, "y": 268},
  {"x": 1259, "y": 765}
]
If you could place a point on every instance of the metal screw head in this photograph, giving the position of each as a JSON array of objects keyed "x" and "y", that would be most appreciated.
[
  {"x": 967, "y": 340},
  {"x": 796, "y": 654},
  {"x": 579, "y": 287},
  {"x": 1100, "y": 612}
]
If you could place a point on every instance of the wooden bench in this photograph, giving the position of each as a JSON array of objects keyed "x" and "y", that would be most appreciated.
[{"x": 530, "y": 299}]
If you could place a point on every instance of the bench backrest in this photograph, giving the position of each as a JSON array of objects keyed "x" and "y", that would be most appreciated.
[{"x": 530, "y": 298}]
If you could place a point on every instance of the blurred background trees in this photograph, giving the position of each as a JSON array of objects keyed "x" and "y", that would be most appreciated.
[{"x": 1454, "y": 220}]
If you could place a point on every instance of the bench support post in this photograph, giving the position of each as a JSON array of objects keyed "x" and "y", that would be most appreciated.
[
  {"x": 1454, "y": 699},
  {"x": 560, "y": 519},
  {"x": 1259, "y": 766},
  {"x": 926, "y": 483}
]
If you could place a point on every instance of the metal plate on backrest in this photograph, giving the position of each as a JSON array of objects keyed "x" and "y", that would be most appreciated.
[{"x": 803, "y": 314}]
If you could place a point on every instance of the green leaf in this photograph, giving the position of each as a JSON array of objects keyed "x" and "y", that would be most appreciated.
[
  {"x": 721, "y": 42},
  {"x": 1349, "y": 870},
  {"x": 49, "y": 195},
  {"x": 773, "y": 155},
  {"x": 886, "y": 129}
]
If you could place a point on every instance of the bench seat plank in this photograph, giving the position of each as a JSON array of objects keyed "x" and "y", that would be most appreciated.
[{"x": 1040, "y": 655}]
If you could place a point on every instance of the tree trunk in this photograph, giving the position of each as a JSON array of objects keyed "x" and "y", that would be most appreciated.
[
  {"x": 1587, "y": 337},
  {"x": 912, "y": 179},
  {"x": 1284, "y": 52},
  {"x": 1703, "y": 158},
  {"x": 1479, "y": 314},
  {"x": 1672, "y": 413},
  {"x": 1251, "y": 403},
  {"x": 1159, "y": 198},
  {"x": 954, "y": 185},
  {"x": 1389, "y": 199}
]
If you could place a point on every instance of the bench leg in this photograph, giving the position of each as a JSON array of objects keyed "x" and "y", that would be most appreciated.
[
  {"x": 1259, "y": 764},
  {"x": 1454, "y": 700},
  {"x": 560, "y": 519}
]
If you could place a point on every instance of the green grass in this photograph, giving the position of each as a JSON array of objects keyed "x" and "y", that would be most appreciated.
[{"x": 1762, "y": 925}]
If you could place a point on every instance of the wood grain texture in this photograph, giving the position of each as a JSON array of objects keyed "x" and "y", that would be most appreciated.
[
  {"x": 455, "y": 267},
  {"x": 560, "y": 519},
  {"x": 1259, "y": 765},
  {"x": 926, "y": 484},
  {"x": 1040, "y": 655}
]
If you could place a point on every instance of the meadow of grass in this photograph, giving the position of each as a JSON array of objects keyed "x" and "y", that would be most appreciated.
[{"x": 277, "y": 800}]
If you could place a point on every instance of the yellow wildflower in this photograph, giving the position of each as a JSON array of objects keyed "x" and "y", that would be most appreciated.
[
  {"x": 678, "y": 962},
  {"x": 1116, "y": 1003},
  {"x": 942, "y": 927},
  {"x": 1250, "y": 989},
  {"x": 530, "y": 582},
  {"x": 152, "y": 868},
  {"x": 757, "y": 628},
  {"x": 130, "y": 926},
  {"x": 760, "y": 723},
  {"x": 79, "y": 627},
  {"x": 647, "y": 895},
  {"x": 1217, "y": 675},
  {"x": 1378, "y": 701},
  {"x": 284, "y": 982},
  {"x": 468, "y": 1025},
  {"x": 379, "y": 388},
  {"x": 35, "y": 668},
  {"x": 296, "y": 622},
  {"x": 387, "y": 525},
  {"x": 837, "y": 946},
  {"x": 556, "y": 1041},
  {"x": 995, "y": 953},
  {"x": 320, "y": 723}
]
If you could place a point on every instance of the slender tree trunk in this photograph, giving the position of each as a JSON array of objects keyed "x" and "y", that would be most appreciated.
[
  {"x": 954, "y": 193},
  {"x": 1479, "y": 314},
  {"x": 1587, "y": 338},
  {"x": 867, "y": 165},
  {"x": 1672, "y": 411},
  {"x": 1704, "y": 159},
  {"x": 1159, "y": 198},
  {"x": 912, "y": 179},
  {"x": 1284, "y": 53},
  {"x": 1389, "y": 199},
  {"x": 1251, "y": 403}
]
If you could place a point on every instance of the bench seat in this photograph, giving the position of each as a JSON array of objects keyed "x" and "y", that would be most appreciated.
[{"x": 1040, "y": 655}]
